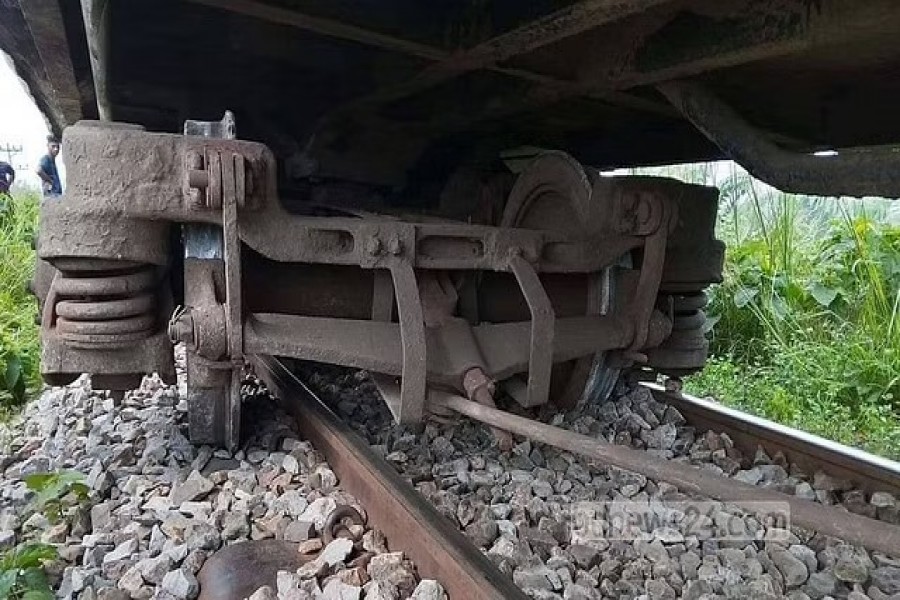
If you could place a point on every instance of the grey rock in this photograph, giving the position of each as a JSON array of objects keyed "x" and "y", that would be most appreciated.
[
  {"x": 318, "y": 511},
  {"x": 381, "y": 590},
  {"x": 100, "y": 516},
  {"x": 131, "y": 581},
  {"x": 805, "y": 491},
  {"x": 805, "y": 554},
  {"x": 824, "y": 482},
  {"x": 202, "y": 536},
  {"x": 585, "y": 556},
  {"x": 792, "y": 569},
  {"x": 882, "y": 500},
  {"x": 299, "y": 531},
  {"x": 690, "y": 562},
  {"x": 336, "y": 552},
  {"x": 886, "y": 579},
  {"x": 429, "y": 589},
  {"x": 292, "y": 503},
  {"x": 482, "y": 532},
  {"x": 336, "y": 589},
  {"x": 195, "y": 487},
  {"x": 193, "y": 562},
  {"x": 154, "y": 569},
  {"x": 123, "y": 551},
  {"x": 181, "y": 583},
  {"x": 660, "y": 590},
  {"x": 852, "y": 566},
  {"x": 264, "y": 593},
  {"x": 537, "y": 578},
  {"x": 697, "y": 589},
  {"x": 235, "y": 525},
  {"x": 820, "y": 585}
]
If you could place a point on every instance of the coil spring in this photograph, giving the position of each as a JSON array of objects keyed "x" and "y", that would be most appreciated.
[
  {"x": 689, "y": 314},
  {"x": 686, "y": 349},
  {"x": 108, "y": 307}
]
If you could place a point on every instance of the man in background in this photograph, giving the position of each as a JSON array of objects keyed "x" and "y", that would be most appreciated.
[
  {"x": 7, "y": 177},
  {"x": 47, "y": 169}
]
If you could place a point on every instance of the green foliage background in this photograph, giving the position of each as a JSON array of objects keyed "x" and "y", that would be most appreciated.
[
  {"x": 807, "y": 328},
  {"x": 19, "y": 348}
]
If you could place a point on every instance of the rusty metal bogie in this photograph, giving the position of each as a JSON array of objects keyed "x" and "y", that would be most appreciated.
[{"x": 430, "y": 301}]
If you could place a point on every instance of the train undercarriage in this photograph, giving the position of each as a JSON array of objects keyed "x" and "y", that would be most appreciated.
[
  {"x": 557, "y": 278},
  {"x": 420, "y": 190}
]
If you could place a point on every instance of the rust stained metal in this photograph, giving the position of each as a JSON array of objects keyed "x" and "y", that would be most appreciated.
[
  {"x": 645, "y": 52},
  {"x": 377, "y": 346},
  {"x": 127, "y": 178},
  {"x": 409, "y": 522},
  {"x": 412, "y": 339},
  {"x": 564, "y": 23},
  {"x": 49, "y": 34},
  {"x": 233, "y": 189},
  {"x": 96, "y": 27},
  {"x": 875, "y": 535},
  {"x": 874, "y": 172},
  {"x": 543, "y": 322}
]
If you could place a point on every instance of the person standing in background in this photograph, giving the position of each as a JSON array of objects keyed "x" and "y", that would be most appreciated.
[
  {"x": 7, "y": 177},
  {"x": 47, "y": 169}
]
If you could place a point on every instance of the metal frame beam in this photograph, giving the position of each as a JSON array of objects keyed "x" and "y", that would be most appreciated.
[
  {"x": 48, "y": 31},
  {"x": 559, "y": 25}
]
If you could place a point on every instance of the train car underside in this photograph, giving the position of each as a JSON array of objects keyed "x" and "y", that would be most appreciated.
[
  {"x": 558, "y": 277},
  {"x": 416, "y": 188}
]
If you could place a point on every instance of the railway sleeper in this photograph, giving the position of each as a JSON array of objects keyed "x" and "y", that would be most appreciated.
[{"x": 578, "y": 275}]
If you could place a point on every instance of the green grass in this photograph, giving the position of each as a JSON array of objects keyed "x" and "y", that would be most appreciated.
[
  {"x": 19, "y": 345},
  {"x": 808, "y": 315}
]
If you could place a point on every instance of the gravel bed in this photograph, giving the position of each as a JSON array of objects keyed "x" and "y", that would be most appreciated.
[
  {"x": 161, "y": 507},
  {"x": 527, "y": 509}
]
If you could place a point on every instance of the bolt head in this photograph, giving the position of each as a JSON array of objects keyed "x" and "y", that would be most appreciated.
[
  {"x": 395, "y": 246},
  {"x": 373, "y": 246}
]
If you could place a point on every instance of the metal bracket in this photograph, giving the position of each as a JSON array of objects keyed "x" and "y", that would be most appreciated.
[
  {"x": 233, "y": 188},
  {"x": 543, "y": 320},
  {"x": 412, "y": 335}
]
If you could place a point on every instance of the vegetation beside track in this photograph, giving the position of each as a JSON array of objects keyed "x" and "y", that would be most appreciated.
[
  {"x": 807, "y": 320},
  {"x": 19, "y": 346}
]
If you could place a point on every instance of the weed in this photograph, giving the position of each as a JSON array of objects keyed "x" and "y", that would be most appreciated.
[
  {"x": 22, "y": 575},
  {"x": 19, "y": 347},
  {"x": 808, "y": 315},
  {"x": 56, "y": 492}
]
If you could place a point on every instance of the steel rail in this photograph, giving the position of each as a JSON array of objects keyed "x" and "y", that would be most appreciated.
[
  {"x": 828, "y": 520},
  {"x": 809, "y": 452},
  {"x": 410, "y": 522}
]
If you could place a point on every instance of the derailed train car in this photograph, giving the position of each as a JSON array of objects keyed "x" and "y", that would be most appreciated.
[{"x": 415, "y": 188}]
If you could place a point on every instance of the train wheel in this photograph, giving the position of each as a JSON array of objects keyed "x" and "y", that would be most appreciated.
[{"x": 554, "y": 193}]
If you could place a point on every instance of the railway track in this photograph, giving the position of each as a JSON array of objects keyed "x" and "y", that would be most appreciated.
[
  {"x": 410, "y": 523},
  {"x": 441, "y": 552}
]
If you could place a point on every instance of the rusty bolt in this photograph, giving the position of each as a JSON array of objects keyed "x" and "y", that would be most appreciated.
[
  {"x": 373, "y": 246},
  {"x": 198, "y": 179},
  {"x": 181, "y": 328},
  {"x": 395, "y": 246},
  {"x": 193, "y": 160}
]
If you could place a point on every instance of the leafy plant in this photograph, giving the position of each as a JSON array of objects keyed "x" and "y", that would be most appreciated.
[
  {"x": 22, "y": 574},
  {"x": 19, "y": 348},
  {"x": 56, "y": 492},
  {"x": 808, "y": 315}
]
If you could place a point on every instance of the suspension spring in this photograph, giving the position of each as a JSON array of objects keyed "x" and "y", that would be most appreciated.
[
  {"x": 686, "y": 349},
  {"x": 110, "y": 307}
]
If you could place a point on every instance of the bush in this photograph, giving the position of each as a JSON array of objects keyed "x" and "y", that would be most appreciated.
[
  {"x": 19, "y": 346},
  {"x": 807, "y": 326}
]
